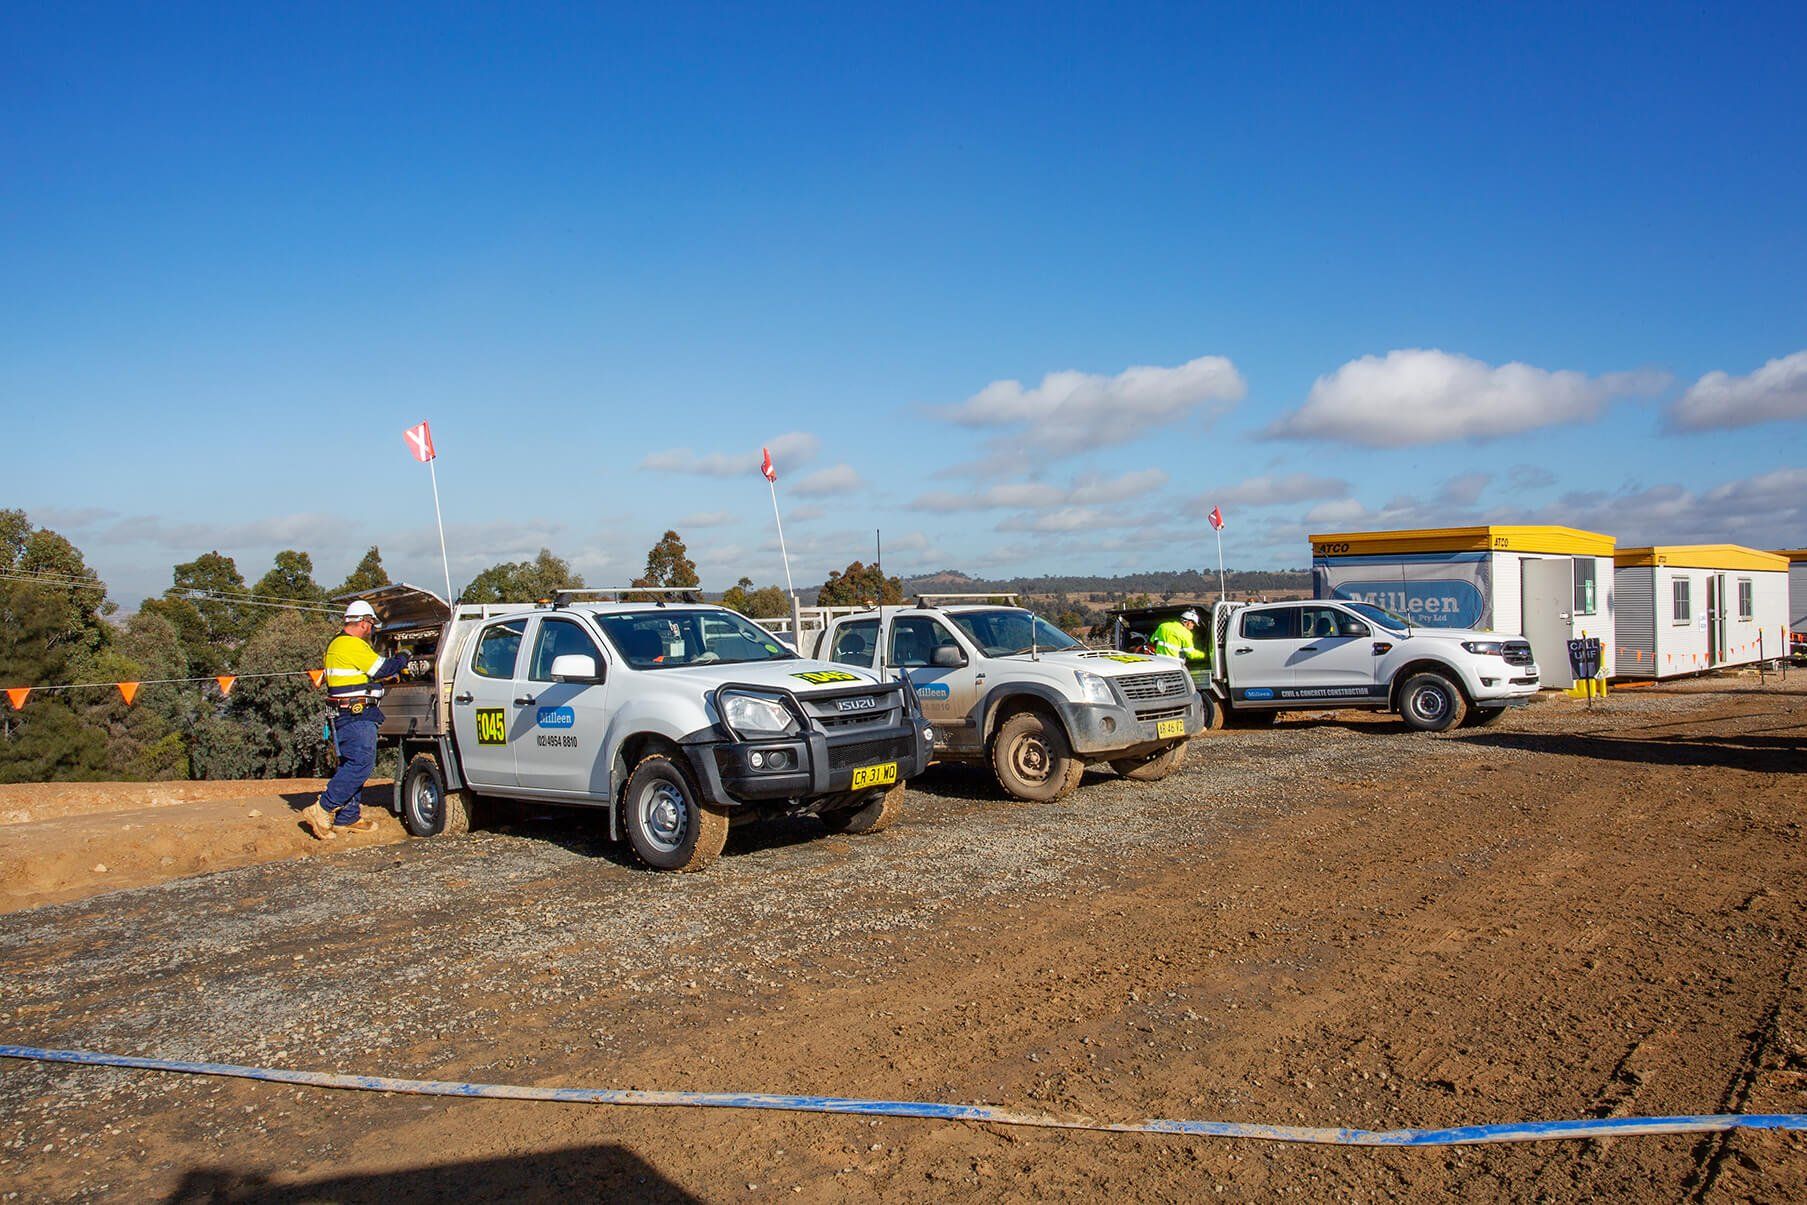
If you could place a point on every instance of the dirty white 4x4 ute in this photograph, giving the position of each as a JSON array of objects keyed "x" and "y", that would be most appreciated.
[
  {"x": 677, "y": 718},
  {"x": 1001, "y": 685}
]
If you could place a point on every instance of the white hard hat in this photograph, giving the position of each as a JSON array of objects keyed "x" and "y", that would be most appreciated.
[
  {"x": 360, "y": 610},
  {"x": 1189, "y": 616}
]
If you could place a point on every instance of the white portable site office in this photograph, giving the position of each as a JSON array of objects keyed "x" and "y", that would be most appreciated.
[
  {"x": 1547, "y": 584},
  {"x": 1687, "y": 608}
]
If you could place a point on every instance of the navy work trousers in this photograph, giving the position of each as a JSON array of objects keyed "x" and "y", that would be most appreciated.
[{"x": 354, "y": 736}]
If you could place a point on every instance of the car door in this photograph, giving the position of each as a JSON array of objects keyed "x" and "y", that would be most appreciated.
[
  {"x": 485, "y": 717},
  {"x": 854, "y": 642},
  {"x": 568, "y": 720},
  {"x": 948, "y": 694},
  {"x": 1261, "y": 650},
  {"x": 1335, "y": 651}
]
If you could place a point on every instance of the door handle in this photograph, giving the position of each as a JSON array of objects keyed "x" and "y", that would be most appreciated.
[
  {"x": 524, "y": 701},
  {"x": 466, "y": 697},
  {"x": 1310, "y": 648},
  {"x": 1245, "y": 649}
]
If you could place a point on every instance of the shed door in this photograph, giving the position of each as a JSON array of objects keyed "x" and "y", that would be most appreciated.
[
  {"x": 1549, "y": 594},
  {"x": 1716, "y": 618}
]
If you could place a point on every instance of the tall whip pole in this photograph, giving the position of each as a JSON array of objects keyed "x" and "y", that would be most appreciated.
[
  {"x": 1222, "y": 594},
  {"x": 445, "y": 562},
  {"x": 782, "y": 551}
]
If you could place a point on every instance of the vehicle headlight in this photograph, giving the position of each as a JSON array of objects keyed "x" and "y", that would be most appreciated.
[
  {"x": 1093, "y": 688},
  {"x": 756, "y": 715},
  {"x": 1484, "y": 648}
]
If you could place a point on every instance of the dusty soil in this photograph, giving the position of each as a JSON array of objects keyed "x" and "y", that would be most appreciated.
[
  {"x": 1333, "y": 922},
  {"x": 68, "y": 841}
]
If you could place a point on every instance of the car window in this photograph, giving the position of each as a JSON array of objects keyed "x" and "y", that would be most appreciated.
[
  {"x": 497, "y": 649},
  {"x": 914, "y": 638},
  {"x": 854, "y": 642},
  {"x": 671, "y": 639},
  {"x": 1282, "y": 624},
  {"x": 558, "y": 638},
  {"x": 1316, "y": 623}
]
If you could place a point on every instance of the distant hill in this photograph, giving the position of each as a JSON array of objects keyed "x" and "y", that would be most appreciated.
[{"x": 1156, "y": 583}]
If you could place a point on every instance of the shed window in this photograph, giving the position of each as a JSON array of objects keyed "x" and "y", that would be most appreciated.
[
  {"x": 1684, "y": 600},
  {"x": 1584, "y": 585},
  {"x": 1747, "y": 605}
]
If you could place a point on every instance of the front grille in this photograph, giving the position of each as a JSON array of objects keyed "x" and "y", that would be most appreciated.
[
  {"x": 867, "y": 753},
  {"x": 1524, "y": 681},
  {"x": 1516, "y": 652},
  {"x": 1169, "y": 713},
  {"x": 859, "y": 719},
  {"x": 1154, "y": 686}
]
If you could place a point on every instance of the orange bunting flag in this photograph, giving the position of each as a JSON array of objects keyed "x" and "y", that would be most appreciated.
[
  {"x": 127, "y": 691},
  {"x": 16, "y": 695},
  {"x": 226, "y": 681},
  {"x": 316, "y": 676}
]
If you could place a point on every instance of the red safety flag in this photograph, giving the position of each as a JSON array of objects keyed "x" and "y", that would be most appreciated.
[
  {"x": 226, "y": 681},
  {"x": 420, "y": 442},
  {"x": 1216, "y": 517},
  {"x": 16, "y": 695},
  {"x": 316, "y": 676},
  {"x": 127, "y": 691},
  {"x": 771, "y": 474}
]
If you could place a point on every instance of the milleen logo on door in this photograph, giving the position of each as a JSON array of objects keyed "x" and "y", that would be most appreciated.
[
  {"x": 555, "y": 717},
  {"x": 933, "y": 690},
  {"x": 1444, "y": 603}
]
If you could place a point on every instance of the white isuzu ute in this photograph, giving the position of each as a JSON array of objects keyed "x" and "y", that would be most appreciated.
[
  {"x": 1319, "y": 654},
  {"x": 675, "y": 717},
  {"x": 1001, "y": 685}
]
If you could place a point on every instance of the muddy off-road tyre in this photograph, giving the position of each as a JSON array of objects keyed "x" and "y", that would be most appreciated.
[
  {"x": 878, "y": 813},
  {"x": 1154, "y": 767},
  {"x": 1032, "y": 759},
  {"x": 1214, "y": 713},
  {"x": 667, "y": 822},
  {"x": 1430, "y": 702},
  {"x": 428, "y": 809}
]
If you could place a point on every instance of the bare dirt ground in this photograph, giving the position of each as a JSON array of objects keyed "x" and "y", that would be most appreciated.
[{"x": 1333, "y": 922}]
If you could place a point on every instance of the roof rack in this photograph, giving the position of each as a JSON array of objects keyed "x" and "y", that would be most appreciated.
[
  {"x": 689, "y": 594},
  {"x": 934, "y": 600}
]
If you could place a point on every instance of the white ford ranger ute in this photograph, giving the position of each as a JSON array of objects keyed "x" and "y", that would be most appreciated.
[{"x": 1320, "y": 654}]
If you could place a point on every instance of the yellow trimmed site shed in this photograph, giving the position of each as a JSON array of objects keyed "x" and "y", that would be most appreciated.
[
  {"x": 1688, "y": 608},
  {"x": 1547, "y": 584}
]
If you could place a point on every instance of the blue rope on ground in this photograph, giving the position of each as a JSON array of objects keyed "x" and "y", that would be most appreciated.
[{"x": 1531, "y": 1131}]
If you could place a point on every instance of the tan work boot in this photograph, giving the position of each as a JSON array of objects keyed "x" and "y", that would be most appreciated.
[
  {"x": 319, "y": 821},
  {"x": 360, "y": 825}
]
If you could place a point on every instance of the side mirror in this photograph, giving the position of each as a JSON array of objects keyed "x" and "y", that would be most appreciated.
[
  {"x": 947, "y": 656},
  {"x": 1359, "y": 629},
  {"x": 576, "y": 667}
]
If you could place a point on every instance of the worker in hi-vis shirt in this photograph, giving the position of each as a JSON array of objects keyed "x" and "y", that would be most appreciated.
[
  {"x": 353, "y": 669},
  {"x": 1174, "y": 639}
]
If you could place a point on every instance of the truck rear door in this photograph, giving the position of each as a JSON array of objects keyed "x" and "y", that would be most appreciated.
[
  {"x": 486, "y": 718},
  {"x": 1261, "y": 644}
]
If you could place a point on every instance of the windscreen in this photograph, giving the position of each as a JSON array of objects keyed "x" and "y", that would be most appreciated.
[
  {"x": 1379, "y": 615},
  {"x": 1003, "y": 632},
  {"x": 668, "y": 639}
]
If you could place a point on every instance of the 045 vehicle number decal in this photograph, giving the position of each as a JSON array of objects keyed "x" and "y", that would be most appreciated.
[{"x": 492, "y": 726}]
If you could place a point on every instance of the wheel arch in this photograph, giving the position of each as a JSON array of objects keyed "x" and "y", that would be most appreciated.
[
  {"x": 1005, "y": 700},
  {"x": 1426, "y": 665}
]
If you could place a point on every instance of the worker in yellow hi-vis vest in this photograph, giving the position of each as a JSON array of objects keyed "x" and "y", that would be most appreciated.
[
  {"x": 353, "y": 669},
  {"x": 1174, "y": 638}
]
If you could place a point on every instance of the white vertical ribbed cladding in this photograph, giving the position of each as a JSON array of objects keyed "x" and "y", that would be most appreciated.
[
  {"x": 1797, "y": 596},
  {"x": 1634, "y": 596}
]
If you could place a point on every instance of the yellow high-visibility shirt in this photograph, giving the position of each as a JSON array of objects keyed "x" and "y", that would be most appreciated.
[{"x": 349, "y": 664}]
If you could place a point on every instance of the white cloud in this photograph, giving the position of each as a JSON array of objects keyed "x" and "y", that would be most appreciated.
[
  {"x": 1765, "y": 511},
  {"x": 1275, "y": 491},
  {"x": 1775, "y": 392},
  {"x": 708, "y": 518},
  {"x": 1421, "y": 396},
  {"x": 1464, "y": 489},
  {"x": 1088, "y": 490},
  {"x": 1067, "y": 518},
  {"x": 1072, "y": 412},
  {"x": 1342, "y": 510},
  {"x": 788, "y": 451},
  {"x": 840, "y": 479}
]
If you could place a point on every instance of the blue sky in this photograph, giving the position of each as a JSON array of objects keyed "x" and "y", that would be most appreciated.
[{"x": 1330, "y": 268}]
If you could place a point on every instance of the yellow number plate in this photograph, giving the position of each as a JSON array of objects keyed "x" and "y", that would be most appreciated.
[
  {"x": 1167, "y": 728},
  {"x": 875, "y": 776}
]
